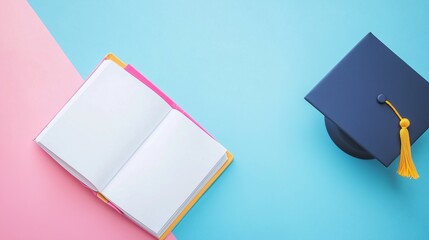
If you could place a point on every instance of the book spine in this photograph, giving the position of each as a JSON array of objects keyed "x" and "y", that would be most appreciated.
[{"x": 106, "y": 201}]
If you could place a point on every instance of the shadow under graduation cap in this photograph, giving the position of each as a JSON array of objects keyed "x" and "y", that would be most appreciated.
[{"x": 356, "y": 120}]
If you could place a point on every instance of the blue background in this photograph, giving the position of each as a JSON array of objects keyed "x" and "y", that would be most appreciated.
[{"x": 242, "y": 69}]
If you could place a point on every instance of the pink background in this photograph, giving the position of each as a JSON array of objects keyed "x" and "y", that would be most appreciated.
[{"x": 39, "y": 199}]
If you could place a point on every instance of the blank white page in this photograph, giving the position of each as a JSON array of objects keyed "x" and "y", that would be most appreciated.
[
  {"x": 165, "y": 171},
  {"x": 104, "y": 123}
]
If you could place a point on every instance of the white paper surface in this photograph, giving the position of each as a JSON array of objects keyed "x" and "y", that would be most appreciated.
[
  {"x": 104, "y": 123},
  {"x": 165, "y": 171}
]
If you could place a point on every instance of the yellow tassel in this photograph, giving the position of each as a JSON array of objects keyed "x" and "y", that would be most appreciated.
[{"x": 406, "y": 165}]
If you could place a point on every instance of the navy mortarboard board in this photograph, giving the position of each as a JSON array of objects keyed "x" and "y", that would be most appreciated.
[{"x": 375, "y": 105}]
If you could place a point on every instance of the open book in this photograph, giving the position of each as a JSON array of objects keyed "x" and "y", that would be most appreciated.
[{"x": 128, "y": 142}]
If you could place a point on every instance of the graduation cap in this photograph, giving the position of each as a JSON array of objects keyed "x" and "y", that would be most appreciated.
[{"x": 375, "y": 105}]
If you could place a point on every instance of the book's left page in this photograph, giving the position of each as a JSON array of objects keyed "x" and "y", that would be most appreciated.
[{"x": 103, "y": 124}]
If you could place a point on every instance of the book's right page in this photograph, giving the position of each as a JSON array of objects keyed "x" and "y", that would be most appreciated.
[{"x": 166, "y": 172}]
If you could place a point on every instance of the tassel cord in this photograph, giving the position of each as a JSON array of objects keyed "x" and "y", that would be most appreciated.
[{"x": 406, "y": 166}]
